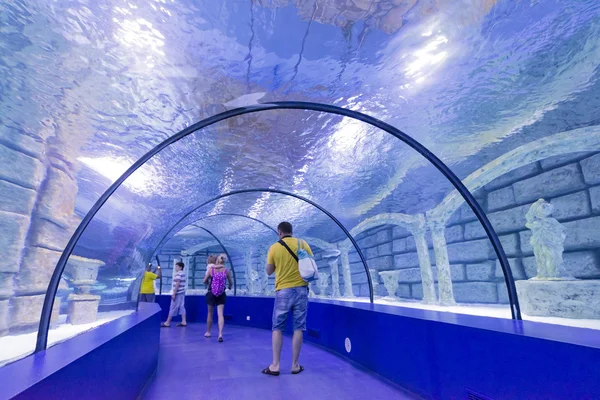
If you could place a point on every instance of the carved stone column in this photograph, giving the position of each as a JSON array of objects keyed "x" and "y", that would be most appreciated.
[
  {"x": 425, "y": 266},
  {"x": 248, "y": 273},
  {"x": 443, "y": 265},
  {"x": 335, "y": 278},
  {"x": 323, "y": 284},
  {"x": 347, "y": 275}
]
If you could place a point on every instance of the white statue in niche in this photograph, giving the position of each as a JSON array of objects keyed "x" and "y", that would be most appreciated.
[
  {"x": 547, "y": 239},
  {"x": 323, "y": 283},
  {"x": 390, "y": 281}
]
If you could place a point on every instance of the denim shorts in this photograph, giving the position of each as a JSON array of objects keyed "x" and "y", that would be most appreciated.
[{"x": 294, "y": 300}]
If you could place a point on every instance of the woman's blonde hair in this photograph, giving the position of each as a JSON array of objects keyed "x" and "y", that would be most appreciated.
[
  {"x": 211, "y": 259},
  {"x": 222, "y": 257}
]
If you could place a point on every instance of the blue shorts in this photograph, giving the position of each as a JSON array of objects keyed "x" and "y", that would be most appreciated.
[{"x": 294, "y": 300}]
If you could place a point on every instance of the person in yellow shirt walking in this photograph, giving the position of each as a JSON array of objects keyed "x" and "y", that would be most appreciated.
[
  {"x": 291, "y": 294},
  {"x": 147, "y": 293}
]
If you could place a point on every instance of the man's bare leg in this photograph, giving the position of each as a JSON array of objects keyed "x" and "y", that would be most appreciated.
[
  {"x": 296, "y": 347},
  {"x": 277, "y": 339}
]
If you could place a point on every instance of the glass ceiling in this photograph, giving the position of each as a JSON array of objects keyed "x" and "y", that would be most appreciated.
[{"x": 106, "y": 81}]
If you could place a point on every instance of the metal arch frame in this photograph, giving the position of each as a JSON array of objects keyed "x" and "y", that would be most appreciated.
[
  {"x": 42, "y": 337},
  {"x": 156, "y": 249},
  {"x": 217, "y": 239},
  {"x": 234, "y": 215},
  {"x": 286, "y": 193},
  {"x": 162, "y": 240}
]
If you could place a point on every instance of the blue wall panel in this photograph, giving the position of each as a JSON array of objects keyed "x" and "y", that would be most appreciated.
[
  {"x": 113, "y": 361},
  {"x": 441, "y": 355}
]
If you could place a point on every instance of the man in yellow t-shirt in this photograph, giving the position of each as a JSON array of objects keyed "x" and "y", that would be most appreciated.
[
  {"x": 291, "y": 294},
  {"x": 147, "y": 292}
]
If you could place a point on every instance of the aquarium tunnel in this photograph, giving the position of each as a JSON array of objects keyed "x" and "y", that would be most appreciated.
[{"x": 440, "y": 158}]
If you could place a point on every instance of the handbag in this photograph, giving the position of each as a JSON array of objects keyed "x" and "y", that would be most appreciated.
[{"x": 307, "y": 267}]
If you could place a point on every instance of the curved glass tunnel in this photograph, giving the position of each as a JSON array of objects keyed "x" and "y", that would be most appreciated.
[{"x": 504, "y": 93}]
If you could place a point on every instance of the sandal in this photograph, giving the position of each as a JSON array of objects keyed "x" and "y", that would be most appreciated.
[
  {"x": 267, "y": 371},
  {"x": 207, "y": 335},
  {"x": 163, "y": 325},
  {"x": 220, "y": 339},
  {"x": 298, "y": 371},
  {"x": 182, "y": 325}
]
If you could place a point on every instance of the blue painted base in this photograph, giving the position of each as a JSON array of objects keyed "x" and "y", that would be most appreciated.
[
  {"x": 442, "y": 355},
  {"x": 113, "y": 361}
]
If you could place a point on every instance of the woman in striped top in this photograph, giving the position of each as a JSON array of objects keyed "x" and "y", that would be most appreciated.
[{"x": 178, "y": 296}]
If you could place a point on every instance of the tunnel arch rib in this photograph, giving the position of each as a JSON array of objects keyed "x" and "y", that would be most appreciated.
[
  {"x": 269, "y": 190},
  {"x": 42, "y": 337},
  {"x": 235, "y": 215}
]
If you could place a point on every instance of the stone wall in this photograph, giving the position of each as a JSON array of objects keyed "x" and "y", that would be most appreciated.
[
  {"x": 571, "y": 183},
  {"x": 38, "y": 190}
]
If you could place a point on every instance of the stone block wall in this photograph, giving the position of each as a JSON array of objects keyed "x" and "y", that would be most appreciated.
[
  {"x": 570, "y": 182},
  {"x": 37, "y": 218}
]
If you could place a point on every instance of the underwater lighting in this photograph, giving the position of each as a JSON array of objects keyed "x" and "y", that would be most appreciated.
[
  {"x": 427, "y": 57},
  {"x": 113, "y": 168}
]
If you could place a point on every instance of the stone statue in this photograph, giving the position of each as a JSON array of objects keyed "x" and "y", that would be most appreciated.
[{"x": 547, "y": 239}]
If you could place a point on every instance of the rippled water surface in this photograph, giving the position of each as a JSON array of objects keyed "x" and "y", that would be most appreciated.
[{"x": 108, "y": 80}]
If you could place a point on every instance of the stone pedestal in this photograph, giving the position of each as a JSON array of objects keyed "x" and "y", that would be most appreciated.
[
  {"x": 390, "y": 281},
  {"x": 83, "y": 271},
  {"x": 560, "y": 298},
  {"x": 83, "y": 308}
]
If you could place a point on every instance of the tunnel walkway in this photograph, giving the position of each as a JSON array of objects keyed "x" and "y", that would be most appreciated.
[{"x": 193, "y": 367}]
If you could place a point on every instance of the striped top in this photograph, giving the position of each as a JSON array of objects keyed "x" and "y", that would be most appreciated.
[{"x": 179, "y": 277}]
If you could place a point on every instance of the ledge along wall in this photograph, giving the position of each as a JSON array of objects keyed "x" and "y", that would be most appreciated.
[
  {"x": 116, "y": 360},
  {"x": 438, "y": 355}
]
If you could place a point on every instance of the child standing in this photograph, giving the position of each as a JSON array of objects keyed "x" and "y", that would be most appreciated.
[{"x": 178, "y": 297}]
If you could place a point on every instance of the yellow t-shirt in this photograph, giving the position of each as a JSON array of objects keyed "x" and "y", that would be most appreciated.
[
  {"x": 286, "y": 267},
  {"x": 148, "y": 283}
]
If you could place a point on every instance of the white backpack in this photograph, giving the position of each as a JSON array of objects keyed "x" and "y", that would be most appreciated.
[{"x": 306, "y": 263}]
